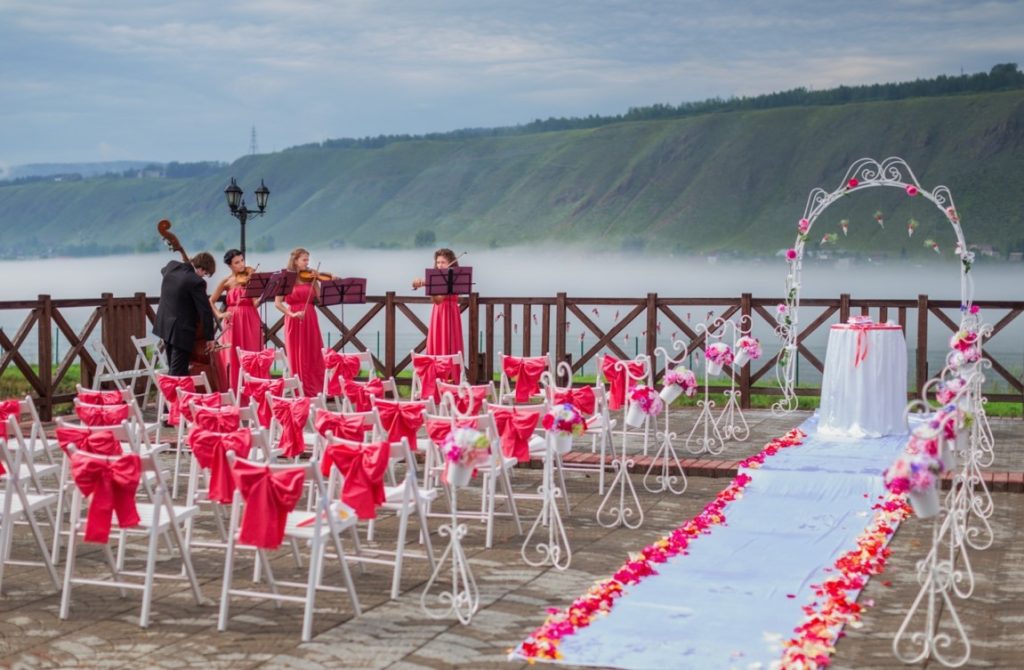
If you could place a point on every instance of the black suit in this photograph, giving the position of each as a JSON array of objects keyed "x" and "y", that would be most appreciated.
[{"x": 183, "y": 303}]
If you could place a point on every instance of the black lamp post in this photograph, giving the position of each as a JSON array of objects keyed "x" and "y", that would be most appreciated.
[{"x": 237, "y": 205}]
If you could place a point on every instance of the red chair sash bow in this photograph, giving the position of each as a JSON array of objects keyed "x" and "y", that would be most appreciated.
[
  {"x": 256, "y": 363},
  {"x": 199, "y": 400},
  {"x": 10, "y": 408},
  {"x": 210, "y": 449},
  {"x": 526, "y": 372},
  {"x": 515, "y": 429},
  {"x": 344, "y": 427},
  {"x": 583, "y": 398},
  {"x": 359, "y": 393},
  {"x": 438, "y": 429},
  {"x": 102, "y": 415},
  {"x": 101, "y": 397},
  {"x": 258, "y": 389},
  {"x": 343, "y": 367},
  {"x": 614, "y": 371},
  {"x": 431, "y": 369},
  {"x": 269, "y": 497},
  {"x": 292, "y": 415},
  {"x": 112, "y": 485},
  {"x": 468, "y": 399},
  {"x": 220, "y": 419},
  {"x": 169, "y": 388},
  {"x": 401, "y": 420},
  {"x": 95, "y": 442},
  {"x": 363, "y": 468}
]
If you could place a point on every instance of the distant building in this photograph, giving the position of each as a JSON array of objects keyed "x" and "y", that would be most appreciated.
[{"x": 1015, "y": 256}]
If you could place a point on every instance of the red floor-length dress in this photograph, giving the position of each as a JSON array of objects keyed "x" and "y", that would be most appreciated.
[
  {"x": 445, "y": 333},
  {"x": 303, "y": 342},
  {"x": 241, "y": 331}
]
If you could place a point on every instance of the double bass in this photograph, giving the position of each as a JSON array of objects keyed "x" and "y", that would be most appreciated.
[{"x": 201, "y": 361}]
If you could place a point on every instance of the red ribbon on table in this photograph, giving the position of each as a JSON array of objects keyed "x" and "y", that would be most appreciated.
[
  {"x": 614, "y": 371},
  {"x": 169, "y": 388},
  {"x": 95, "y": 442},
  {"x": 112, "y": 485},
  {"x": 526, "y": 372},
  {"x": 582, "y": 398},
  {"x": 269, "y": 497},
  {"x": 292, "y": 415},
  {"x": 340, "y": 426},
  {"x": 401, "y": 420},
  {"x": 343, "y": 367},
  {"x": 861, "y": 351},
  {"x": 515, "y": 429},
  {"x": 102, "y": 415},
  {"x": 431, "y": 369},
  {"x": 359, "y": 393},
  {"x": 258, "y": 389},
  {"x": 219, "y": 419},
  {"x": 210, "y": 449},
  {"x": 363, "y": 467}
]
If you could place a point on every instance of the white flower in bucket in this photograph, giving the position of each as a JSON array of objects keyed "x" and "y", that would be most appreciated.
[
  {"x": 747, "y": 349},
  {"x": 643, "y": 402},
  {"x": 678, "y": 381},
  {"x": 916, "y": 473},
  {"x": 464, "y": 449},
  {"x": 717, "y": 355},
  {"x": 564, "y": 422}
]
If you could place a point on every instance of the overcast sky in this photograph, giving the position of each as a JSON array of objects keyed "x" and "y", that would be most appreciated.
[{"x": 121, "y": 79}]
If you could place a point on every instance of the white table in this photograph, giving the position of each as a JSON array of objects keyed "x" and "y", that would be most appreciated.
[{"x": 864, "y": 388}]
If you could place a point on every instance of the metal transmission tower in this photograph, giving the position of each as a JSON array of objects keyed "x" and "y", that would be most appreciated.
[{"x": 253, "y": 148}]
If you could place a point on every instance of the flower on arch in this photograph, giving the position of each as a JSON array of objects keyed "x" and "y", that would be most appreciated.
[
  {"x": 911, "y": 190},
  {"x": 852, "y": 183}
]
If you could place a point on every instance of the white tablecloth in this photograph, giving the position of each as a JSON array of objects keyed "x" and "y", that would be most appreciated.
[{"x": 864, "y": 388}]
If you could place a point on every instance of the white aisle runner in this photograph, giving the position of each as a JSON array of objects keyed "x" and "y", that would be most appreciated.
[{"x": 741, "y": 589}]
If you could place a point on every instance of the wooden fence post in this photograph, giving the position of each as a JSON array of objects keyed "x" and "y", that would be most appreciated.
[
  {"x": 652, "y": 330},
  {"x": 560, "y": 322},
  {"x": 844, "y": 307},
  {"x": 746, "y": 319},
  {"x": 389, "y": 334},
  {"x": 921, "y": 366},
  {"x": 474, "y": 338},
  {"x": 44, "y": 328}
]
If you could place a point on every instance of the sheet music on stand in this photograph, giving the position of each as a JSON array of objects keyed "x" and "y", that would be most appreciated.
[
  {"x": 343, "y": 290},
  {"x": 453, "y": 281},
  {"x": 266, "y": 286}
]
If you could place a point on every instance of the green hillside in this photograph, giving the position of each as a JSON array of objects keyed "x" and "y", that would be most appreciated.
[{"x": 726, "y": 181}]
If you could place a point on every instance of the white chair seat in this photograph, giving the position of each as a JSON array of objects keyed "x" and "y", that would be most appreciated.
[
  {"x": 35, "y": 502},
  {"x": 146, "y": 516},
  {"x": 300, "y": 525},
  {"x": 48, "y": 470},
  {"x": 393, "y": 496},
  {"x": 537, "y": 445}
]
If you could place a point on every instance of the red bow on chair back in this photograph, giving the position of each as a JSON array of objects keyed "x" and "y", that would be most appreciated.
[
  {"x": 258, "y": 389},
  {"x": 256, "y": 363},
  {"x": 438, "y": 429},
  {"x": 210, "y": 449},
  {"x": 102, "y": 415},
  {"x": 515, "y": 429},
  {"x": 431, "y": 369},
  {"x": 614, "y": 371},
  {"x": 345, "y": 367},
  {"x": 292, "y": 415},
  {"x": 10, "y": 408},
  {"x": 401, "y": 420},
  {"x": 269, "y": 497},
  {"x": 344, "y": 427},
  {"x": 468, "y": 399},
  {"x": 199, "y": 400},
  {"x": 219, "y": 419},
  {"x": 101, "y": 397},
  {"x": 526, "y": 372},
  {"x": 583, "y": 398},
  {"x": 112, "y": 485},
  {"x": 99, "y": 442},
  {"x": 359, "y": 393},
  {"x": 363, "y": 468},
  {"x": 169, "y": 388}
]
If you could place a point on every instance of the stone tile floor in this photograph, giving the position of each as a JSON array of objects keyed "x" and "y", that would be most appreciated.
[{"x": 103, "y": 632}]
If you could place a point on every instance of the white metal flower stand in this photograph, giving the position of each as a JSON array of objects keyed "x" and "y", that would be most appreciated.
[
  {"x": 621, "y": 505},
  {"x": 555, "y": 549},
  {"x": 708, "y": 438},
  {"x": 666, "y": 456},
  {"x": 732, "y": 425},
  {"x": 463, "y": 600}
]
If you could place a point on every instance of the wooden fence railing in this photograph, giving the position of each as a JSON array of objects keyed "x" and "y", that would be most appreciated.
[{"x": 493, "y": 324}]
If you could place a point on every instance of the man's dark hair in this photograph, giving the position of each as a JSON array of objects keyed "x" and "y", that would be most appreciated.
[{"x": 204, "y": 261}]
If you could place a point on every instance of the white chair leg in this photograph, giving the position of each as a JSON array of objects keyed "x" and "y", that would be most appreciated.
[
  {"x": 315, "y": 559},
  {"x": 396, "y": 577},
  {"x": 347, "y": 575}
]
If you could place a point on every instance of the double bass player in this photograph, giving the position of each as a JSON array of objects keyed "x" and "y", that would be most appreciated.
[{"x": 184, "y": 305}]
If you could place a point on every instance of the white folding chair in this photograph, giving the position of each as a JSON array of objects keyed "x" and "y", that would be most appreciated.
[
  {"x": 324, "y": 524},
  {"x": 246, "y": 360},
  {"x": 405, "y": 499},
  {"x": 646, "y": 376},
  {"x": 156, "y": 518},
  {"x": 537, "y": 445},
  {"x": 150, "y": 360},
  {"x": 17, "y": 505},
  {"x": 464, "y": 398},
  {"x": 198, "y": 384},
  {"x": 507, "y": 386},
  {"x": 447, "y": 368},
  {"x": 188, "y": 401},
  {"x": 39, "y": 476},
  {"x": 149, "y": 429}
]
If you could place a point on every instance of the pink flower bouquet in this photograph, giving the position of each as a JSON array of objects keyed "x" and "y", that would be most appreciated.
[
  {"x": 678, "y": 381},
  {"x": 565, "y": 419},
  {"x": 917, "y": 475},
  {"x": 747, "y": 349},
  {"x": 948, "y": 391},
  {"x": 717, "y": 355},
  {"x": 963, "y": 340},
  {"x": 464, "y": 449},
  {"x": 643, "y": 402}
]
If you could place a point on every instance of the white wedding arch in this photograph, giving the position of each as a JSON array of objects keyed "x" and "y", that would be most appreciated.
[{"x": 863, "y": 174}]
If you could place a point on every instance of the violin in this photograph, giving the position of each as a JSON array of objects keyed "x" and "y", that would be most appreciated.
[
  {"x": 307, "y": 276},
  {"x": 242, "y": 278}
]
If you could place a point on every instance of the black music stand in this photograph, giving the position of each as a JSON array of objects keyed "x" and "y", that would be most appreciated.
[
  {"x": 273, "y": 284},
  {"x": 342, "y": 291},
  {"x": 453, "y": 281}
]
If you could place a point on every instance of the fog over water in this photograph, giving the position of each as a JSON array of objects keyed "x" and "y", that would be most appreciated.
[{"x": 543, "y": 272}]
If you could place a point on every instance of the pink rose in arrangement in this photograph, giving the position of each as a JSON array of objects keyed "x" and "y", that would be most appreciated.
[
  {"x": 466, "y": 446},
  {"x": 924, "y": 440},
  {"x": 913, "y": 473},
  {"x": 852, "y": 183},
  {"x": 911, "y": 190},
  {"x": 719, "y": 353},
  {"x": 803, "y": 226},
  {"x": 647, "y": 399},
  {"x": 791, "y": 255},
  {"x": 975, "y": 309},
  {"x": 948, "y": 391},
  {"x": 963, "y": 340},
  {"x": 952, "y": 215},
  {"x": 683, "y": 378},
  {"x": 782, "y": 308},
  {"x": 749, "y": 346},
  {"x": 565, "y": 419}
]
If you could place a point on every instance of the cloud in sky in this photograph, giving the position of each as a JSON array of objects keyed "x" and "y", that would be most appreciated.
[{"x": 186, "y": 80}]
